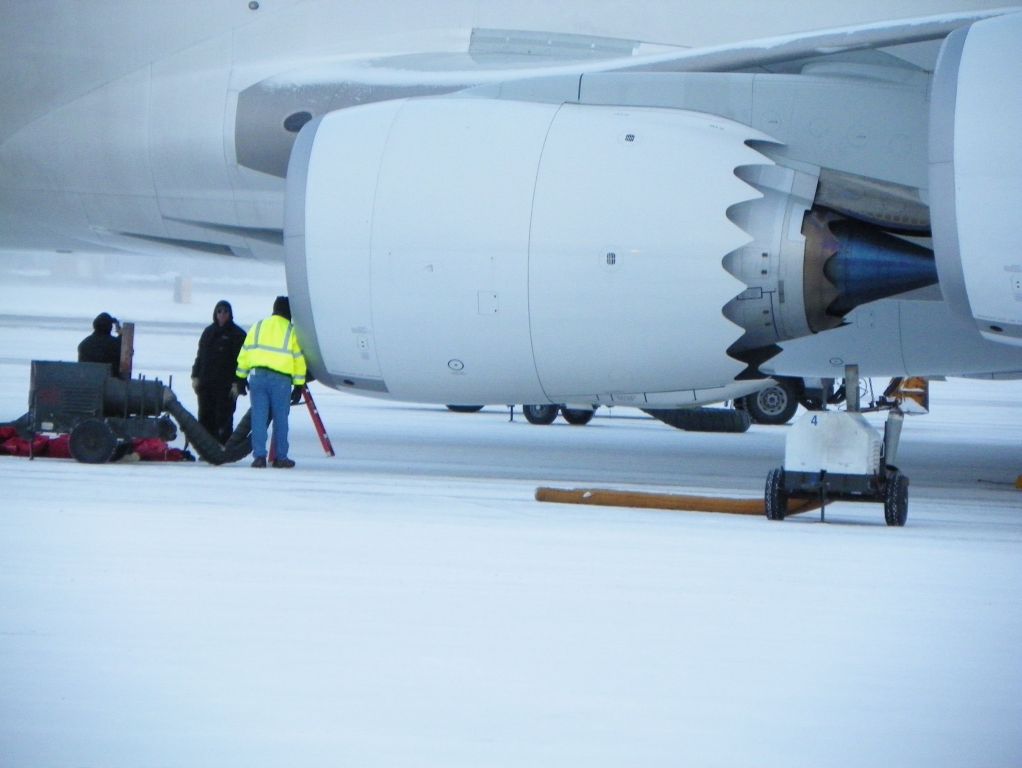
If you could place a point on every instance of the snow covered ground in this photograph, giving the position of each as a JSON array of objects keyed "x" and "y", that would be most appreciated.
[{"x": 408, "y": 603}]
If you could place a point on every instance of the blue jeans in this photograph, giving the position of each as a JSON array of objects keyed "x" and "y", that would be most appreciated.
[{"x": 271, "y": 397}]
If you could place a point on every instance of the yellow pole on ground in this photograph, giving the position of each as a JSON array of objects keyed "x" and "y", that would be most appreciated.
[{"x": 605, "y": 498}]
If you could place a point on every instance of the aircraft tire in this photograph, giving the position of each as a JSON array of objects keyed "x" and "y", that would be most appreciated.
[
  {"x": 577, "y": 416},
  {"x": 896, "y": 499},
  {"x": 540, "y": 414},
  {"x": 775, "y": 497},
  {"x": 775, "y": 404}
]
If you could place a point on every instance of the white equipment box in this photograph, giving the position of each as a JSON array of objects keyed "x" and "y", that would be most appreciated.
[{"x": 836, "y": 442}]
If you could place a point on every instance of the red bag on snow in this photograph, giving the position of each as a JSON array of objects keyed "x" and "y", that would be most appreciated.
[
  {"x": 59, "y": 447},
  {"x": 150, "y": 449},
  {"x": 19, "y": 446},
  {"x": 155, "y": 449}
]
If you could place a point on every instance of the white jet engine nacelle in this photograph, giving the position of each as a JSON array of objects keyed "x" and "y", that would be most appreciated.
[
  {"x": 461, "y": 250},
  {"x": 976, "y": 174}
]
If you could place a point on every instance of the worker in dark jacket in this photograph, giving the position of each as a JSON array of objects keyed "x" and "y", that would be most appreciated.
[
  {"x": 100, "y": 346},
  {"x": 213, "y": 371}
]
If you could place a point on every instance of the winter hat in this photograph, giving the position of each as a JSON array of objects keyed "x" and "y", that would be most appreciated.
[
  {"x": 223, "y": 304},
  {"x": 103, "y": 323},
  {"x": 282, "y": 307}
]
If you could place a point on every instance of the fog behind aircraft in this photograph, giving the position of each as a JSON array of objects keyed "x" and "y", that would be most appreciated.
[{"x": 486, "y": 203}]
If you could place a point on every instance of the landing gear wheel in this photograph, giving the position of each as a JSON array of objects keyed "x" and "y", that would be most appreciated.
[
  {"x": 775, "y": 498},
  {"x": 774, "y": 405},
  {"x": 540, "y": 414},
  {"x": 896, "y": 499},
  {"x": 465, "y": 408},
  {"x": 577, "y": 416},
  {"x": 92, "y": 442}
]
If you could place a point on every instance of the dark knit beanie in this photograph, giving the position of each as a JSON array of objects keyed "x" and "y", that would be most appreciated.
[
  {"x": 282, "y": 307},
  {"x": 103, "y": 323}
]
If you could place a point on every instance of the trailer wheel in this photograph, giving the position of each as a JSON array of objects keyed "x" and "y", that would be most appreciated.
[
  {"x": 540, "y": 414},
  {"x": 896, "y": 499},
  {"x": 775, "y": 498},
  {"x": 577, "y": 416},
  {"x": 92, "y": 442}
]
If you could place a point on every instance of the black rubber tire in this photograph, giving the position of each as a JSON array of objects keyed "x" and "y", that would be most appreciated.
[
  {"x": 577, "y": 416},
  {"x": 703, "y": 419},
  {"x": 775, "y": 404},
  {"x": 896, "y": 499},
  {"x": 465, "y": 408},
  {"x": 775, "y": 497},
  {"x": 540, "y": 414},
  {"x": 92, "y": 441}
]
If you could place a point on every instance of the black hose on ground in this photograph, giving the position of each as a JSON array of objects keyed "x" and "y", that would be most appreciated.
[{"x": 238, "y": 446}]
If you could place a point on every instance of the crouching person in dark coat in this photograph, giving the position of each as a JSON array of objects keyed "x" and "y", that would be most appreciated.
[{"x": 213, "y": 371}]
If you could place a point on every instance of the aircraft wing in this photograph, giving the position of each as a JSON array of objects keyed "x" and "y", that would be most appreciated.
[{"x": 773, "y": 50}]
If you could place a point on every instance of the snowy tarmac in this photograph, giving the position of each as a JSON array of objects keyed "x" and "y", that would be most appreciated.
[{"x": 408, "y": 603}]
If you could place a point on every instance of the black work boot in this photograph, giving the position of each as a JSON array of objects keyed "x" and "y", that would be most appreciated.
[
  {"x": 283, "y": 463},
  {"x": 259, "y": 462}
]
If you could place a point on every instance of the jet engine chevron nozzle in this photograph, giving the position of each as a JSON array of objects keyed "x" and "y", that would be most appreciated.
[{"x": 806, "y": 267}]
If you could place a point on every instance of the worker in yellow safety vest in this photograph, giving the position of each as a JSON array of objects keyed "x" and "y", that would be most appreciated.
[{"x": 271, "y": 367}]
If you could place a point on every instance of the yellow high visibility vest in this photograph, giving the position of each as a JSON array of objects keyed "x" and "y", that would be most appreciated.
[{"x": 272, "y": 343}]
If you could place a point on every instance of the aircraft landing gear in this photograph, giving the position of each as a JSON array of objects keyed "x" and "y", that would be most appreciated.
[
  {"x": 540, "y": 414},
  {"x": 775, "y": 404},
  {"x": 546, "y": 414},
  {"x": 577, "y": 416}
]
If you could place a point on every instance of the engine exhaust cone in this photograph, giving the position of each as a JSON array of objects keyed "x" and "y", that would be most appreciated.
[{"x": 871, "y": 264}]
